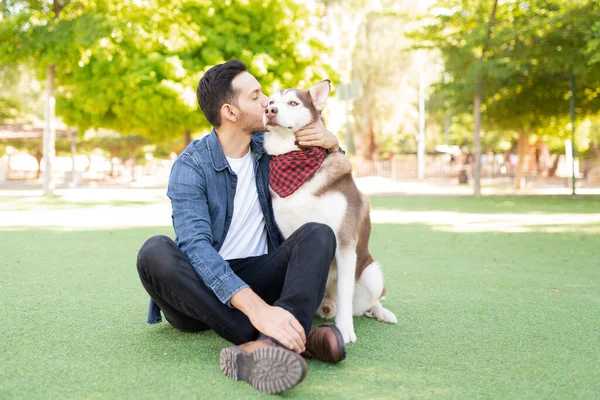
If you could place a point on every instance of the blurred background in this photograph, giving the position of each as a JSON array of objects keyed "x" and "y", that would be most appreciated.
[{"x": 460, "y": 96}]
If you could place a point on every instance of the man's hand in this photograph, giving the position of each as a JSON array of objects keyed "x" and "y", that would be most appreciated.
[
  {"x": 274, "y": 322},
  {"x": 282, "y": 326},
  {"x": 317, "y": 135}
]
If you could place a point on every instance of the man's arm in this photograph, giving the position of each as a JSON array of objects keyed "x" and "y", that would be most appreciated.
[{"x": 191, "y": 221}]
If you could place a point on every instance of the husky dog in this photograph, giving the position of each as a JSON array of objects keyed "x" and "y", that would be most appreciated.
[{"x": 326, "y": 194}]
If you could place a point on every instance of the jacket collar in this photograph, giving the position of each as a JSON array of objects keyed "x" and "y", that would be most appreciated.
[{"x": 219, "y": 161}]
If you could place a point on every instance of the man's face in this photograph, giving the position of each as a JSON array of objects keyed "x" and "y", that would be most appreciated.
[{"x": 251, "y": 102}]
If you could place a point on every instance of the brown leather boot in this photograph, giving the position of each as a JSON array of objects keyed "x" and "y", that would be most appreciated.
[
  {"x": 263, "y": 364},
  {"x": 325, "y": 343}
]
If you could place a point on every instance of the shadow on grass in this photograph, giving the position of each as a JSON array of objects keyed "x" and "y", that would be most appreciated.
[
  {"x": 58, "y": 203},
  {"x": 481, "y": 314},
  {"x": 491, "y": 204}
]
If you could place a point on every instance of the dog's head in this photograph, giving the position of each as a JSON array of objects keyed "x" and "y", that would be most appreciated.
[{"x": 292, "y": 109}]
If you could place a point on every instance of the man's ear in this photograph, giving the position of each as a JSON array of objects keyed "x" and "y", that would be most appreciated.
[
  {"x": 230, "y": 112},
  {"x": 319, "y": 94}
]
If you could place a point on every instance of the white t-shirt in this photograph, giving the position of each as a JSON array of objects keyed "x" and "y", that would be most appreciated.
[{"x": 247, "y": 234}]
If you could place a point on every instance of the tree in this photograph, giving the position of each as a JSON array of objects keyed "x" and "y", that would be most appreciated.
[
  {"x": 50, "y": 36},
  {"x": 532, "y": 47},
  {"x": 379, "y": 69},
  {"x": 479, "y": 100},
  {"x": 365, "y": 52},
  {"x": 142, "y": 77},
  {"x": 133, "y": 67}
]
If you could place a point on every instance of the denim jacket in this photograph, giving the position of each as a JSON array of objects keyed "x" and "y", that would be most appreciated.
[{"x": 202, "y": 189}]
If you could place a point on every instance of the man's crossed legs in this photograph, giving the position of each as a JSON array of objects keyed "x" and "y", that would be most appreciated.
[{"x": 292, "y": 277}]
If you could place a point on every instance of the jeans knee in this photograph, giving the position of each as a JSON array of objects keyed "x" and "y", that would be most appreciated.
[
  {"x": 152, "y": 251},
  {"x": 323, "y": 234}
]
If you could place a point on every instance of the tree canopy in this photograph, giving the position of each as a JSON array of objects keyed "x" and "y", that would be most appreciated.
[{"x": 133, "y": 66}]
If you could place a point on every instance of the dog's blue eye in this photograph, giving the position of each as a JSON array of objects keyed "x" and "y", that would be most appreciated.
[{"x": 293, "y": 103}]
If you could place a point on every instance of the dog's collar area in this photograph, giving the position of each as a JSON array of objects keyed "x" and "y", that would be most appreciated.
[{"x": 289, "y": 171}]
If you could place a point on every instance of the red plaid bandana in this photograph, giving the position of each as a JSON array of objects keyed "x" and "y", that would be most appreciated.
[{"x": 287, "y": 172}]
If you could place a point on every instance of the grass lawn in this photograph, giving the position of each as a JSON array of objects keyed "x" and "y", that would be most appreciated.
[{"x": 482, "y": 313}]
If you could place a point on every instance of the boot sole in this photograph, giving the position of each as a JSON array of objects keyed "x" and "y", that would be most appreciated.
[{"x": 269, "y": 369}]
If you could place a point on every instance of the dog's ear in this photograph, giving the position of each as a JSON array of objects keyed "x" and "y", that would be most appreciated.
[{"x": 319, "y": 94}]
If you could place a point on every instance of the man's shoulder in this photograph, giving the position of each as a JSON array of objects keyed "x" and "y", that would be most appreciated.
[
  {"x": 190, "y": 160},
  {"x": 197, "y": 150},
  {"x": 196, "y": 146}
]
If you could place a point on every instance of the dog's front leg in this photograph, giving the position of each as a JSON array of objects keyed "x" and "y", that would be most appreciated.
[{"x": 346, "y": 263}]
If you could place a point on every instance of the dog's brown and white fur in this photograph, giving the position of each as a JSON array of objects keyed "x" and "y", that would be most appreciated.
[{"x": 355, "y": 282}]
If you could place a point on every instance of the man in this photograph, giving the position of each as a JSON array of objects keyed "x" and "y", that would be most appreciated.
[{"x": 229, "y": 269}]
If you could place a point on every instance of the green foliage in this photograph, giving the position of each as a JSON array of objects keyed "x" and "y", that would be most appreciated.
[
  {"x": 20, "y": 98},
  {"x": 532, "y": 47},
  {"x": 133, "y": 67}
]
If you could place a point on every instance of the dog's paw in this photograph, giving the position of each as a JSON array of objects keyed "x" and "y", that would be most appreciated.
[
  {"x": 387, "y": 316},
  {"x": 349, "y": 336},
  {"x": 347, "y": 330},
  {"x": 382, "y": 314}
]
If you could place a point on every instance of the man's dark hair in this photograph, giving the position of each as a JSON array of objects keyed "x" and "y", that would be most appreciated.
[{"x": 215, "y": 89}]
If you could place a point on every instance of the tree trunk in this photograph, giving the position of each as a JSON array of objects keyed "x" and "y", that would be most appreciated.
[
  {"x": 133, "y": 177},
  {"x": 421, "y": 134},
  {"x": 521, "y": 152},
  {"x": 132, "y": 162},
  {"x": 477, "y": 108},
  {"x": 370, "y": 147},
  {"x": 477, "y": 139},
  {"x": 39, "y": 163},
  {"x": 188, "y": 137},
  {"x": 595, "y": 149},
  {"x": 49, "y": 113},
  {"x": 552, "y": 170},
  {"x": 38, "y": 154},
  {"x": 49, "y": 131},
  {"x": 112, "y": 165},
  {"x": 73, "y": 156}
]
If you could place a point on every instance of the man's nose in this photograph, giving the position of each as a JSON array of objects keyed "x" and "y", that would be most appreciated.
[
  {"x": 265, "y": 100},
  {"x": 270, "y": 110}
]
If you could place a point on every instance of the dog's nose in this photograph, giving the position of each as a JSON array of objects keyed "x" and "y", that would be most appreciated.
[{"x": 271, "y": 110}]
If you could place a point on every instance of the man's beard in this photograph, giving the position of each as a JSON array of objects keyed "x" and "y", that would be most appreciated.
[{"x": 251, "y": 124}]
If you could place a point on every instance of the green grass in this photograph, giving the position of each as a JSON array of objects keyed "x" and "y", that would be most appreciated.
[{"x": 480, "y": 315}]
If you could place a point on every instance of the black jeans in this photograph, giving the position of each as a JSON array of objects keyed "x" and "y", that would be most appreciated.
[{"x": 292, "y": 277}]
